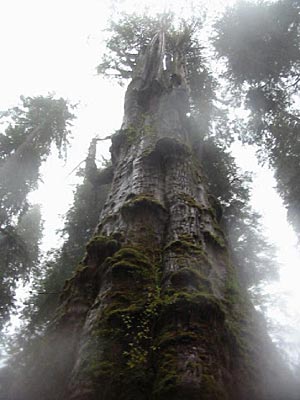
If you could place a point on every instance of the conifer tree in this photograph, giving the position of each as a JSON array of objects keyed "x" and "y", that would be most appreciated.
[
  {"x": 155, "y": 309},
  {"x": 26, "y": 142},
  {"x": 260, "y": 45}
]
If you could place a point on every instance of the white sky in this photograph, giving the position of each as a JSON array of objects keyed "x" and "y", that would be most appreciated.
[{"x": 54, "y": 46}]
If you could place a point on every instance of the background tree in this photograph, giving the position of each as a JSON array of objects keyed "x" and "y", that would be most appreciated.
[
  {"x": 19, "y": 255},
  {"x": 80, "y": 223},
  {"x": 227, "y": 186},
  {"x": 260, "y": 45},
  {"x": 252, "y": 254},
  {"x": 30, "y": 131},
  {"x": 47, "y": 286},
  {"x": 211, "y": 132},
  {"x": 155, "y": 308}
]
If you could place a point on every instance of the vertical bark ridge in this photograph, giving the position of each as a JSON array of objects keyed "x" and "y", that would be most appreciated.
[{"x": 154, "y": 309}]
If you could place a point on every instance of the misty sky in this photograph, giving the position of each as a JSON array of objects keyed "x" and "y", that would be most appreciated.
[{"x": 54, "y": 46}]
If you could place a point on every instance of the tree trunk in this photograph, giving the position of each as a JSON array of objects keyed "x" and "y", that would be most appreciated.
[{"x": 154, "y": 311}]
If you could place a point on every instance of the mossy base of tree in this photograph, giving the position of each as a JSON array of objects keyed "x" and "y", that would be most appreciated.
[{"x": 149, "y": 343}]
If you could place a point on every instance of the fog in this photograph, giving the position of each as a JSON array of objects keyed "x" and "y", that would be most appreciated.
[{"x": 54, "y": 47}]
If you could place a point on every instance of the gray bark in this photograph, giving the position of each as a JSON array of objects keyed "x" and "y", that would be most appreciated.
[{"x": 155, "y": 311}]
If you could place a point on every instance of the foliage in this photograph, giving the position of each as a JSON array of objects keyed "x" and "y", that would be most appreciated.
[
  {"x": 260, "y": 45},
  {"x": 252, "y": 255},
  {"x": 80, "y": 223},
  {"x": 129, "y": 37},
  {"x": 211, "y": 132},
  {"x": 59, "y": 265},
  {"x": 19, "y": 255},
  {"x": 25, "y": 144},
  {"x": 126, "y": 38},
  {"x": 260, "y": 41}
]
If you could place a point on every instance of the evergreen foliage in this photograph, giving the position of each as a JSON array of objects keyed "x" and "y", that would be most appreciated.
[
  {"x": 19, "y": 256},
  {"x": 25, "y": 143},
  {"x": 129, "y": 36},
  {"x": 80, "y": 223},
  {"x": 254, "y": 257},
  {"x": 260, "y": 45},
  {"x": 272, "y": 116}
]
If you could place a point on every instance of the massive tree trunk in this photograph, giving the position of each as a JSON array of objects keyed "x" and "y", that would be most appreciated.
[{"x": 154, "y": 311}]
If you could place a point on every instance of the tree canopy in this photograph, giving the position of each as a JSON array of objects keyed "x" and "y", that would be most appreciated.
[
  {"x": 25, "y": 144},
  {"x": 30, "y": 130},
  {"x": 26, "y": 348},
  {"x": 254, "y": 256},
  {"x": 260, "y": 45},
  {"x": 58, "y": 266}
]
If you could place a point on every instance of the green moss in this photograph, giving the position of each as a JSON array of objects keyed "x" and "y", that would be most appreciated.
[
  {"x": 211, "y": 389},
  {"x": 187, "y": 276},
  {"x": 167, "y": 377},
  {"x": 131, "y": 262},
  {"x": 117, "y": 313},
  {"x": 103, "y": 367},
  {"x": 143, "y": 202},
  {"x": 187, "y": 252},
  {"x": 190, "y": 201},
  {"x": 99, "y": 240},
  {"x": 131, "y": 305},
  {"x": 136, "y": 330},
  {"x": 237, "y": 324},
  {"x": 181, "y": 246},
  {"x": 132, "y": 255},
  {"x": 100, "y": 247},
  {"x": 127, "y": 270},
  {"x": 123, "y": 307},
  {"x": 212, "y": 237},
  {"x": 190, "y": 306},
  {"x": 134, "y": 280},
  {"x": 216, "y": 207},
  {"x": 84, "y": 283},
  {"x": 133, "y": 308},
  {"x": 233, "y": 295},
  {"x": 96, "y": 369},
  {"x": 170, "y": 382},
  {"x": 80, "y": 267},
  {"x": 131, "y": 134},
  {"x": 187, "y": 237},
  {"x": 172, "y": 338},
  {"x": 148, "y": 130}
]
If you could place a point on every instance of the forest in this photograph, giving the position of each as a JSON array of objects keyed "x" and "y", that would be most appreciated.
[{"x": 158, "y": 284}]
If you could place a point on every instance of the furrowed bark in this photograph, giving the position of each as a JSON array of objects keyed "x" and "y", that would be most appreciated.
[{"x": 155, "y": 311}]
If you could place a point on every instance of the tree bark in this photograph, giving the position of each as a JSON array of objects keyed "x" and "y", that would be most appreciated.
[{"x": 155, "y": 311}]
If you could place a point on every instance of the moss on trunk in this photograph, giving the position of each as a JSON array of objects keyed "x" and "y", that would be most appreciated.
[{"x": 155, "y": 306}]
